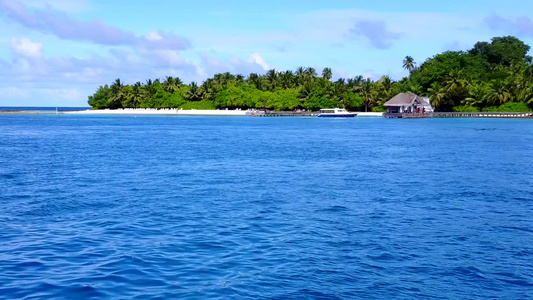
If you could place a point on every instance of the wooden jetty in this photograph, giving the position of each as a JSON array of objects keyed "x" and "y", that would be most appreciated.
[
  {"x": 407, "y": 115},
  {"x": 509, "y": 115},
  {"x": 272, "y": 113},
  {"x": 482, "y": 115}
]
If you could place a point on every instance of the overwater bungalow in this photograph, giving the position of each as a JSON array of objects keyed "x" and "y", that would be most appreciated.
[{"x": 408, "y": 105}]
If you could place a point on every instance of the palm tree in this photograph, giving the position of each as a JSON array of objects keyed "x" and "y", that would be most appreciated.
[
  {"x": 519, "y": 81},
  {"x": 272, "y": 77},
  {"x": 500, "y": 94},
  {"x": 358, "y": 79},
  {"x": 300, "y": 74},
  {"x": 286, "y": 79},
  {"x": 409, "y": 64},
  {"x": 355, "y": 83},
  {"x": 525, "y": 95},
  {"x": 478, "y": 94},
  {"x": 228, "y": 77},
  {"x": 150, "y": 88},
  {"x": 339, "y": 88},
  {"x": 455, "y": 81},
  {"x": 255, "y": 80},
  {"x": 239, "y": 79},
  {"x": 306, "y": 91},
  {"x": 194, "y": 93},
  {"x": 326, "y": 73},
  {"x": 386, "y": 84},
  {"x": 171, "y": 85},
  {"x": 368, "y": 92},
  {"x": 223, "y": 79},
  {"x": 209, "y": 89},
  {"x": 311, "y": 72},
  {"x": 437, "y": 94},
  {"x": 117, "y": 94},
  {"x": 136, "y": 96},
  {"x": 415, "y": 89}
]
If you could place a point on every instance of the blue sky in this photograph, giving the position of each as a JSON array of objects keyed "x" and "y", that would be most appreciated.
[{"x": 57, "y": 52}]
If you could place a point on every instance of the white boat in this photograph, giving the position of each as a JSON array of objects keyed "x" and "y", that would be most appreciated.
[{"x": 335, "y": 113}]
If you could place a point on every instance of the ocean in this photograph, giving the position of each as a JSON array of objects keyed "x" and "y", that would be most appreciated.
[
  {"x": 136, "y": 207},
  {"x": 40, "y": 109}
]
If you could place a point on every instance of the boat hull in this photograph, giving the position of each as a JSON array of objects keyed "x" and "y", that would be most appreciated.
[{"x": 337, "y": 115}]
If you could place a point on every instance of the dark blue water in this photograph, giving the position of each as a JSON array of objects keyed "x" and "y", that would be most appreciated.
[{"x": 122, "y": 207}]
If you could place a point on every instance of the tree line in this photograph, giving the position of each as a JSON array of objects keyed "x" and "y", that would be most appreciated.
[{"x": 492, "y": 76}]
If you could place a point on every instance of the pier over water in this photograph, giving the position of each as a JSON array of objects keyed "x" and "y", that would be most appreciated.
[{"x": 460, "y": 115}]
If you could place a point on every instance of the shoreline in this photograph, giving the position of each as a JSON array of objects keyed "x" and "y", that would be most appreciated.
[
  {"x": 155, "y": 112},
  {"x": 167, "y": 111},
  {"x": 182, "y": 112}
]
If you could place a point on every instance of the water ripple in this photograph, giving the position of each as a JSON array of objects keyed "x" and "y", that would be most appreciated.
[{"x": 136, "y": 208}]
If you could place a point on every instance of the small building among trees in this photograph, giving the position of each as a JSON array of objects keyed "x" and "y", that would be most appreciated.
[{"x": 408, "y": 103}]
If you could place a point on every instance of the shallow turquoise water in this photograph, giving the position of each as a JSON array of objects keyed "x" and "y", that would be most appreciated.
[{"x": 265, "y": 208}]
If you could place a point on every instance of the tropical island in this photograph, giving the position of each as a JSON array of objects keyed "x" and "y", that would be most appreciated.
[{"x": 495, "y": 76}]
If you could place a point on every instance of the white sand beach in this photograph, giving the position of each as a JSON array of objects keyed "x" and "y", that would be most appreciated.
[
  {"x": 153, "y": 111},
  {"x": 182, "y": 112},
  {"x": 369, "y": 114}
]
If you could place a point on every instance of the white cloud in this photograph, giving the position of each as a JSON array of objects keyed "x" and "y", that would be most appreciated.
[
  {"x": 257, "y": 59},
  {"x": 27, "y": 48},
  {"x": 170, "y": 57},
  {"x": 211, "y": 66},
  {"x": 153, "y": 36},
  {"x": 14, "y": 92},
  {"x": 372, "y": 75},
  {"x": 421, "y": 26},
  {"x": 71, "y": 95},
  {"x": 235, "y": 64}
]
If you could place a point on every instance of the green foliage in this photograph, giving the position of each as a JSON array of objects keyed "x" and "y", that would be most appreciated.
[
  {"x": 439, "y": 68},
  {"x": 204, "y": 105},
  {"x": 502, "y": 51},
  {"x": 353, "y": 101},
  {"x": 509, "y": 107},
  {"x": 465, "y": 108},
  {"x": 496, "y": 76},
  {"x": 490, "y": 74},
  {"x": 101, "y": 97}
]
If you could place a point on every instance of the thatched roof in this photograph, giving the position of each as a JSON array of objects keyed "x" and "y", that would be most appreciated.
[{"x": 405, "y": 99}]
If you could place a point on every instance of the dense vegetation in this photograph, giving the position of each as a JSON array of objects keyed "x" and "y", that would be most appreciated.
[{"x": 495, "y": 76}]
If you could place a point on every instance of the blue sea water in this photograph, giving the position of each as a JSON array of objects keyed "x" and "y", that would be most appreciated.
[
  {"x": 124, "y": 207},
  {"x": 40, "y": 109}
]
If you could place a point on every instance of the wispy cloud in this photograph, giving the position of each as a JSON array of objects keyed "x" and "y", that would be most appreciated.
[
  {"x": 58, "y": 23},
  {"x": 254, "y": 64},
  {"x": 14, "y": 92},
  {"x": 390, "y": 26},
  {"x": 62, "y": 5},
  {"x": 30, "y": 73},
  {"x": 72, "y": 77},
  {"x": 522, "y": 26},
  {"x": 375, "y": 32},
  {"x": 26, "y": 48}
]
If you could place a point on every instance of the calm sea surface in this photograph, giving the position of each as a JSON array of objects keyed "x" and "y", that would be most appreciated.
[
  {"x": 40, "y": 109},
  {"x": 122, "y": 207}
]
